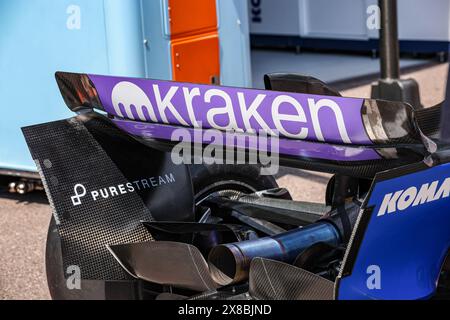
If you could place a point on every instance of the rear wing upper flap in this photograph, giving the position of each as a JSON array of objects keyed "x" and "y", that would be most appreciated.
[
  {"x": 78, "y": 91},
  {"x": 310, "y": 117}
]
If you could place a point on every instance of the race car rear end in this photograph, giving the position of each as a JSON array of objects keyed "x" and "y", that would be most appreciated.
[{"x": 134, "y": 219}]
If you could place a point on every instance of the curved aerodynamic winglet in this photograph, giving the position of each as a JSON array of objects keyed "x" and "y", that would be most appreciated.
[{"x": 167, "y": 263}]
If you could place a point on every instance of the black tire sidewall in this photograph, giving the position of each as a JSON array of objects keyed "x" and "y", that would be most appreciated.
[{"x": 203, "y": 176}]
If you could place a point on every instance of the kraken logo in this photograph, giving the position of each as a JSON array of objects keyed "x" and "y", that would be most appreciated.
[
  {"x": 220, "y": 109},
  {"x": 129, "y": 94}
]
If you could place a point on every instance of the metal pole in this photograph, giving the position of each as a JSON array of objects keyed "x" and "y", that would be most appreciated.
[{"x": 389, "y": 48}]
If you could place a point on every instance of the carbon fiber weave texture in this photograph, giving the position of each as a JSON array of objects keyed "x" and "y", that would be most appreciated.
[{"x": 67, "y": 154}]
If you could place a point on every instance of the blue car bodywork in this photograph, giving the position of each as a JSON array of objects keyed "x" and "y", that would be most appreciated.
[{"x": 402, "y": 238}]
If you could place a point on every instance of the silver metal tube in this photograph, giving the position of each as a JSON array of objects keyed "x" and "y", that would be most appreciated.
[{"x": 229, "y": 263}]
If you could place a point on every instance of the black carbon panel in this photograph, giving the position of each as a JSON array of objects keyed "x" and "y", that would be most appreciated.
[
  {"x": 357, "y": 169},
  {"x": 67, "y": 154},
  {"x": 429, "y": 119},
  {"x": 168, "y": 190},
  {"x": 274, "y": 280}
]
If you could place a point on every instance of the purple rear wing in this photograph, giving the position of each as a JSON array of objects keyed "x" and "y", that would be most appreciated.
[
  {"x": 299, "y": 116},
  {"x": 309, "y": 126}
]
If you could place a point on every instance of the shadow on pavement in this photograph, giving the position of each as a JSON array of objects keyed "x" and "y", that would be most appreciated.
[{"x": 32, "y": 197}]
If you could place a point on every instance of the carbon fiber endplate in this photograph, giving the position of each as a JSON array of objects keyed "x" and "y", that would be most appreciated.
[
  {"x": 96, "y": 200},
  {"x": 274, "y": 280}
]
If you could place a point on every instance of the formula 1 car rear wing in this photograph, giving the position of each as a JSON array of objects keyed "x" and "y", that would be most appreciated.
[
  {"x": 306, "y": 117},
  {"x": 336, "y": 130}
]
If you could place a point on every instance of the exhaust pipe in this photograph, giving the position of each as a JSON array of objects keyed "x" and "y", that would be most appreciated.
[{"x": 229, "y": 263}]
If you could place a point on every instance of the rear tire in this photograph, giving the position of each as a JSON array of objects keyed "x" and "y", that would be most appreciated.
[
  {"x": 245, "y": 178},
  {"x": 90, "y": 289}
]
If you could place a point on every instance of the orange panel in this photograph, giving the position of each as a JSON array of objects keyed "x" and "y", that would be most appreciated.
[
  {"x": 189, "y": 17},
  {"x": 196, "y": 59},
  {"x": 194, "y": 41}
]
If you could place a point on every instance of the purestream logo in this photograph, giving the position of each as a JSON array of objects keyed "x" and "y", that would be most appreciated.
[
  {"x": 80, "y": 190},
  {"x": 403, "y": 199}
]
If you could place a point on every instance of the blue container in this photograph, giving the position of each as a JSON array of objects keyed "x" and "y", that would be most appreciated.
[
  {"x": 39, "y": 38},
  {"x": 118, "y": 37}
]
